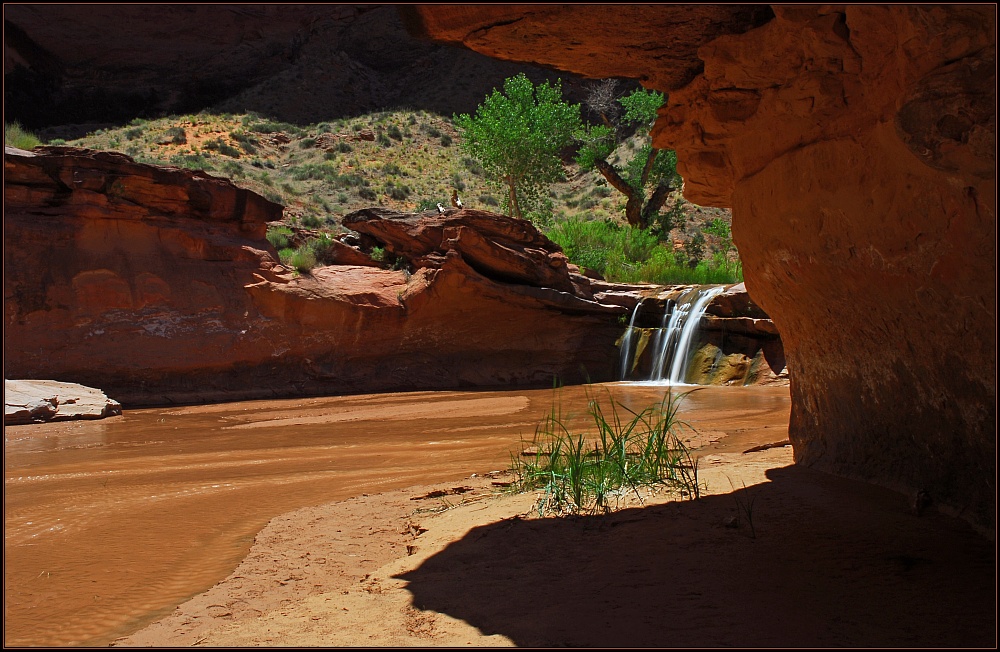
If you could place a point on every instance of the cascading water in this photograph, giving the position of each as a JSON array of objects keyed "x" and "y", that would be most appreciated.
[
  {"x": 673, "y": 338},
  {"x": 627, "y": 341}
]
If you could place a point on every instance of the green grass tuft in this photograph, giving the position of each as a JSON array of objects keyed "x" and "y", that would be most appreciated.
[
  {"x": 16, "y": 136},
  {"x": 585, "y": 473}
]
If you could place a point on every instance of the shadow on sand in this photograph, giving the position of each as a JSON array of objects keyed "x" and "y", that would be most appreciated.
[{"x": 834, "y": 563}]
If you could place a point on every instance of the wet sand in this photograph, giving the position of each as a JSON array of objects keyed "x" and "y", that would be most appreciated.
[{"x": 109, "y": 525}]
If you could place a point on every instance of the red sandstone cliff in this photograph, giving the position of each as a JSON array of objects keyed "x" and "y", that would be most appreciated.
[
  {"x": 157, "y": 285},
  {"x": 856, "y": 147}
]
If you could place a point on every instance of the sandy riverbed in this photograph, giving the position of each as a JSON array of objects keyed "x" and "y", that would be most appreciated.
[{"x": 829, "y": 562}]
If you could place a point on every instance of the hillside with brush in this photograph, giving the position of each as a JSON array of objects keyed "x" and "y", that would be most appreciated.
[{"x": 407, "y": 161}]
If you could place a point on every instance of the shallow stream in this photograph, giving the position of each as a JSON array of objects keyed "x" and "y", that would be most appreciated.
[{"x": 111, "y": 524}]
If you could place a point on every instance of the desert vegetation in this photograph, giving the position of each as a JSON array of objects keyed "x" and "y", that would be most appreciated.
[
  {"x": 411, "y": 160},
  {"x": 624, "y": 453}
]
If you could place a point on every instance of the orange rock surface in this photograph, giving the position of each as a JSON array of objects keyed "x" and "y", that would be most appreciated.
[
  {"x": 856, "y": 147},
  {"x": 157, "y": 285}
]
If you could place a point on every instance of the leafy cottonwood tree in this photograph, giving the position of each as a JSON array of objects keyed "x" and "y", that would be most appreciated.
[
  {"x": 516, "y": 135},
  {"x": 649, "y": 169}
]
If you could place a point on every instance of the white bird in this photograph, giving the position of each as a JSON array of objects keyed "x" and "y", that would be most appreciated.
[{"x": 440, "y": 208}]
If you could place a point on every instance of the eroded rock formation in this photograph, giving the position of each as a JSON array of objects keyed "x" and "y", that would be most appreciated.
[
  {"x": 856, "y": 147},
  {"x": 157, "y": 285}
]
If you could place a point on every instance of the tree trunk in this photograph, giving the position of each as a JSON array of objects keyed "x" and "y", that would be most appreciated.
[
  {"x": 655, "y": 203},
  {"x": 633, "y": 205},
  {"x": 515, "y": 208}
]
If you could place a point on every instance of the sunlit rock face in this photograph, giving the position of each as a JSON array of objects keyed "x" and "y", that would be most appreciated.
[
  {"x": 157, "y": 285},
  {"x": 856, "y": 148}
]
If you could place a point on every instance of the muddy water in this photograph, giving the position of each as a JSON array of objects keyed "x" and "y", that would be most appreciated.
[{"x": 110, "y": 524}]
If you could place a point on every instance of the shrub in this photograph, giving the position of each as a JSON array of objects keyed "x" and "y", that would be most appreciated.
[
  {"x": 446, "y": 141},
  {"x": 132, "y": 134},
  {"x": 473, "y": 166},
  {"x": 395, "y": 133},
  {"x": 192, "y": 161},
  {"x": 302, "y": 259},
  {"x": 273, "y": 126},
  {"x": 177, "y": 135},
  {"x": 278, "y": 236},
  {"x": 398, "y": 193},
  {"x": 311, "y": 221},
  {"x": 232, "y": 169},
  {"x": 248, "y": 142},
  {"x": 392, "y": 169},
  {"x": 344, "y": 147},
  {"x": 222, "y": 147},
  {"x": 306, "y": 143},
  {"x": 15, "y": 136},
  {"x": 367, "y": 193}
]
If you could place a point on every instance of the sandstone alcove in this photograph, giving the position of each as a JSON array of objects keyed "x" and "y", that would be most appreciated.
[{"x": 856, "y": 147}]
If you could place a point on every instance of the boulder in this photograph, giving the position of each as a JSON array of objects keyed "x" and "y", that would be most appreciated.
[
  {"x": 502, "y": 248},
  {"x": 31, "y": 401}
]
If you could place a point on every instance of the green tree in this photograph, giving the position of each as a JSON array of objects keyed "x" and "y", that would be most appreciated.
[
  {"x": 517, "y": 135},
  {"x": 723, "y": 232},
  {"x": 646, "y": 179}
]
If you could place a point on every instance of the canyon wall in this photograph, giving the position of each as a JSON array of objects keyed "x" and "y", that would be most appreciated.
[
  {"x": 157, "y": 285},
  {"x": 69, "y": 69},
  {"x": 856, "y": 147}
]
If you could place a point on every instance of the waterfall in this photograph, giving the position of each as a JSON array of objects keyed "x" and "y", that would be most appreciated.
[
  {"x": 627, "y": 341},
  {"x": 673, "y": 338},
  {"x": 678, "y": 366}
]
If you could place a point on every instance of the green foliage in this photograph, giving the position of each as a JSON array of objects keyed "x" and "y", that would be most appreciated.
[
  {"x": 445, "y": 140},
  {"x": 248, "y": 142},
  {"x": 583, "y": 472},
  {"x": 378, "y": 254},
  {"x": 132, "y": 134},
  {"x": 279, "y": 236},
  {"x": 322, "y": 249},
  {"x": 630, "y": 255},
  {"x": 302, "y": 259},
  {"x": 517, "y": 135},
  {"x": 641, "y": 107},
  {"x": 192, "y": 161},
  {"x": 222, "y": 147},
  {"x": 16, "y": 136},
  {"x": 592, "y": 245},
  {"x": 596, "y": 144},
  {"x": 271, "y": 126},
  {"x": 646, "y": 169},
  {"x": 311, "y": 222},
  {"x": 395, "y": 133}
]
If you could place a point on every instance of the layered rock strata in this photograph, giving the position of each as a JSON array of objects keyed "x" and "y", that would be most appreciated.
[
  {"x": 157, "y": 285},
  {"x": 856, "y": 147}
]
